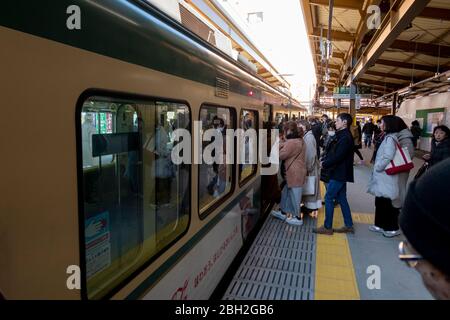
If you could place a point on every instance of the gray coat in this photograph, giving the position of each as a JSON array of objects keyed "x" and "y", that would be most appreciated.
[
  {"x": 381, "y": 184},
  {"x": 313, "y": 169},
  {"x": 405, "y": 140}
]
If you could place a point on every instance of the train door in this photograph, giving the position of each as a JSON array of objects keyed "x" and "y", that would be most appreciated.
[{"x": 267, "y": 182}]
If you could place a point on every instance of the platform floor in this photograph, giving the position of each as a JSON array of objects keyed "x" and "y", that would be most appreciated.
[{"x": 292, "y": 263}]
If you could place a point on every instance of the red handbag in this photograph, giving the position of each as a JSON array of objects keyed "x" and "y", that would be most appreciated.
[{"x": 401, "y": 163}]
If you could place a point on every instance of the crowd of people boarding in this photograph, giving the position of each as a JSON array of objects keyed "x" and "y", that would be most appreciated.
[{"x": 314, "y": 150}]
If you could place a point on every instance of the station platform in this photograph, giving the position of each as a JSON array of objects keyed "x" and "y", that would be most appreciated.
[{"x": 292, "y": 263}]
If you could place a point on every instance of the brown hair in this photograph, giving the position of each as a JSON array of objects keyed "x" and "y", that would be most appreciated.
[
  {"x": 306, "y": 124},
  {"x": 296, "y": 131}
]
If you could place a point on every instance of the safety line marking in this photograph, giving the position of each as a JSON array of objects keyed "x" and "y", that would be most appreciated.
[{"x": 335, "y": 275}]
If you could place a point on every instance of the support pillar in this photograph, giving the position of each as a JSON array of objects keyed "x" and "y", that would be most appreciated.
[
  {"x": 352, "y": 110},
  {"x": 394, "y": 104}
]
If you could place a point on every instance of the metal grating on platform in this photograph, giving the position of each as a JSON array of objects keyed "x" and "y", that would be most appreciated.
[{"x": 280, "y": 264}]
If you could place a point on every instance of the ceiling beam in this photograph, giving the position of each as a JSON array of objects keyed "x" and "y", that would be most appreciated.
[
  {"x": 334, "y": 66},
  {"x": 337, "y": 55},
  {"x": 406, "y": 65},
  {"x": 265, "y": 74},
  {"x": 335, "y": 35},
  {"x": 387, "y": 34},
  {"x": 436, "y": 13},
  {"x": 334, "y": 75},
  {"x": 343, "y": 4},
  {"x": 430, "y": 49},
  {"x": 388, "y": 75},
  {"x": 380, "y": 88},
  {"x": 382, "y": 83}
]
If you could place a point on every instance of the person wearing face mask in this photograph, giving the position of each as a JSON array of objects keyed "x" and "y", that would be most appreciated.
[
  {"x": 440, "y": 146},
  {"x": 331, "y": 133},
  {"x": 293, "y": 153},
  {"x": 339, "y": 162}
]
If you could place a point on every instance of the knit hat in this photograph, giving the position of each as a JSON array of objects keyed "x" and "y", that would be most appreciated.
[{"x": 425, "y": 217}]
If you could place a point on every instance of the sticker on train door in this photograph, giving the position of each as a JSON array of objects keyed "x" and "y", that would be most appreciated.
[{"x": 98, "y": 244}]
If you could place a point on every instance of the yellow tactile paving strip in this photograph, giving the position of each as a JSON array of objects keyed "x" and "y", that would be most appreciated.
[
  {"x": 335, "y": 276},
  {"x": 365, "y": 218}
]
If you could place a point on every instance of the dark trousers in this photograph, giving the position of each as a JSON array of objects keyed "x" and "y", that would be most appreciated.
[
  {"x": 386, "y": 216},
  {"x": 356, "y": 150}
]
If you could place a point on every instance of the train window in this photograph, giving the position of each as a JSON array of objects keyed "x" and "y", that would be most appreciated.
[
  {"x": 266, "y": 113},
  {"x": 216, "y": 180},
  {"x": 136, "y": 201},
  {"x": 248, "y": 120}
]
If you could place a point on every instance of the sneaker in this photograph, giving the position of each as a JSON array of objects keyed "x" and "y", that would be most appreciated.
[
  {"x": 295, "y": 221},
  {"x": 323, "y": 230},
  {"x": 374, "y": 228},
  {"x": 345, "y": 230},
  {"x": 278, "y": 215},
  {"x": 390, "y": 234}
]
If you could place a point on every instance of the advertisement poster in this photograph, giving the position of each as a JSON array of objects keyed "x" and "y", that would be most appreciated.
[
  {"x": 434, "y": 119},
  {"x": 98, "y": 244},
  {"x": 429, "y": 119}
]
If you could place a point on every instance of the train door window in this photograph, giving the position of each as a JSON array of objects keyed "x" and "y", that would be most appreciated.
[
  {"x": 216, "y": 181},
  {"x": 135, "y": 200},
  {"x": 266, "y": 113},
  {"x": 248, "y": 120}
]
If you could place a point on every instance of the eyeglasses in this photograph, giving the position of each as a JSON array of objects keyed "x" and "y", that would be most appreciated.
[{"x": 405, "y": 255}]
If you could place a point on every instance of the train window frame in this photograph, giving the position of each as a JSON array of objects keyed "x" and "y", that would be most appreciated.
[
  {"x": 109, "y": 94},
  {"x": 255, "y": 170},
  {"x": 210, "y": 209}
]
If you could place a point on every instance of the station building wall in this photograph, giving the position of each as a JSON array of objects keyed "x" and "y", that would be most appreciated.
[{"x": 429, "y": 111}]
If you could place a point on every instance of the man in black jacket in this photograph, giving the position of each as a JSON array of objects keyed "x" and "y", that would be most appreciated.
[
  {"x": 368, "y": 130},
  {"x": 339, "y": 163}
]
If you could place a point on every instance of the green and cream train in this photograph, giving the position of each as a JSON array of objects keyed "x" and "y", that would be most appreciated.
[{"x": 88, "y": 121}]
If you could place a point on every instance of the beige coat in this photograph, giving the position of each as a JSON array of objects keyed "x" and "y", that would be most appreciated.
[
  {"x": 293, "y": 152},
  {"x": 312, "y": 169}
]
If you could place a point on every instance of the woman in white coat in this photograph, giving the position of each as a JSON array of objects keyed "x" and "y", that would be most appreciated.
[
  {"x": 312, "y": 202},
  {"x": 388, "y": 189}
]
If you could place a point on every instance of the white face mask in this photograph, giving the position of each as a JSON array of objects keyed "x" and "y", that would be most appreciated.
[{"x": 332, "y": 133}]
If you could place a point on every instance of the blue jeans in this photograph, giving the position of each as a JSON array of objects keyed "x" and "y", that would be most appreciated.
[
  {"x": 337, "y": 190},
  {"x": 367, "y": 139},
  {"x": 290, "y": 200}
]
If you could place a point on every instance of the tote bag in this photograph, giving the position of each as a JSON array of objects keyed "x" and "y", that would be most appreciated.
[
  {"x": 309, "y": 189},
  {"x": 401, "y": 162}
]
